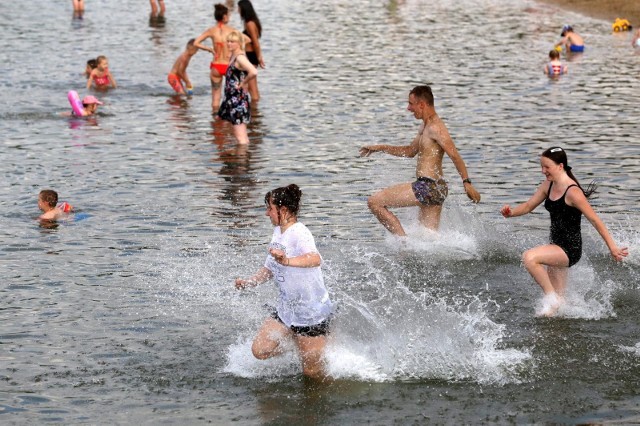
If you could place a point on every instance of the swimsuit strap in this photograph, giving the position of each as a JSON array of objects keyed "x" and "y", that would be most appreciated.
[
  {"x": 219, "y": 25},
  {"x": 563, "y": 195},
  {"x": 568, "y": 187}
]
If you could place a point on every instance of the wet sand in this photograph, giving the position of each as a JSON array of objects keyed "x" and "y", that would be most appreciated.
[{"x": 604, "y": 9}]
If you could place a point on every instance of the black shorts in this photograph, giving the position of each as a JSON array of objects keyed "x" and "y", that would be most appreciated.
[
  {"x": 316, "y": 330},
  {"x": 253, "y": 58}
]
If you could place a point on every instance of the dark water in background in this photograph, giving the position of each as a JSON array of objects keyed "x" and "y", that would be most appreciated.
[{"x": 129, "y": 315}]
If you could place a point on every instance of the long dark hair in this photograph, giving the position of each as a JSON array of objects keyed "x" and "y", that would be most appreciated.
[
  {"x": 248, "y": 14},
  {"x": 559, "y": 156},
  {"x": 286, "y": 196}
]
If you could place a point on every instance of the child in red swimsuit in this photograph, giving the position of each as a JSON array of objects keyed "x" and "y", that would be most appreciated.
[
  {"x": 101, "y": 75},
  {"x": 178, "y": 72}
]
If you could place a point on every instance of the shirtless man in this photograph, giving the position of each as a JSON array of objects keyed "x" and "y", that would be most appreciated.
[
  {"x": 430, "y": 189},
  {"x": 571, "y": 41}
]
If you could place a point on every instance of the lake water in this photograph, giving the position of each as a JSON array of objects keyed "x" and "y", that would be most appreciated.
[{"x": 130, "y": 316}]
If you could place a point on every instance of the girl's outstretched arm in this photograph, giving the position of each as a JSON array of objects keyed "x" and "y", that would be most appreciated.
[
  {"x": 258, "y": 278},
  {"x": 529, "y": 205},
  {"x": 575, "y": 198}
]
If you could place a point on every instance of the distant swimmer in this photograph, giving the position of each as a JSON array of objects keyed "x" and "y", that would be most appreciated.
[
  {"x": 101, "y": 76},
  {"x": 178, "y": 73},
  {"x": 571, "y": 40},
  {"x": 554, "y": 67},
  {"x": 566, "y": 202},
  {"x": 48, "y": 203},
  {"x": 82, "y": 108},
  {"x": 304, "y": 307},
  {"x": 429, "y": 190}
]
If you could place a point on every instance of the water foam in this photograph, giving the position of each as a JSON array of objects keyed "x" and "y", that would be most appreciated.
[
  {"x": 384, "y": 331},
  {"x": 586, "y": 296},
  {"x": 635, "y": 350}
]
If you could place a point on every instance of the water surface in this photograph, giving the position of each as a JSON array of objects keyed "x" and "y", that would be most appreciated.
[{"x": 130, "y": 314}]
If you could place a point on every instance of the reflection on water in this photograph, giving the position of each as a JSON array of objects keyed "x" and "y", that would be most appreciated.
[{"x": 136, "y": 304}]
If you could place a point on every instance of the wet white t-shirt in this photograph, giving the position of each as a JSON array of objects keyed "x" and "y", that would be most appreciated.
[{"x": 303, "y": 299}]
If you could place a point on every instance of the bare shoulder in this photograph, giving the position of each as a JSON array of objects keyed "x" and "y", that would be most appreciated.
[
  {"x": 574, "y": 193},
  {"x": 435, "y": 128}
]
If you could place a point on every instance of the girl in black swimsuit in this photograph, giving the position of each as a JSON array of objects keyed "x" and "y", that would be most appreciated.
[{"x": 566, "y": 202}]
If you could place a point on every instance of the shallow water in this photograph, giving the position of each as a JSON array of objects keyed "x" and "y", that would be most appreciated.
[{"x": 129, "y": 315}]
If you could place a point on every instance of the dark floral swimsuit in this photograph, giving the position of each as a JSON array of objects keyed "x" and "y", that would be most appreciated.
[{"x": 235, "y": 105}]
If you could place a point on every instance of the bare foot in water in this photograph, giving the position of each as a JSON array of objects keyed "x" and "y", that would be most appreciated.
[{"x": 550, "y": 304}]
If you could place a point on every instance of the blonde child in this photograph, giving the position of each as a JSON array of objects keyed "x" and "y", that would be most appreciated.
[{"x": 101, "y": 75}]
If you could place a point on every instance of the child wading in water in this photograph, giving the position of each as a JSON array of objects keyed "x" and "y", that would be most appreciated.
[
  {"x": 566, "y": 202},
  {"x": 101, "y": 76},
  {"x": 554, "y": 67},
  {"x": 178, "y": 73}
]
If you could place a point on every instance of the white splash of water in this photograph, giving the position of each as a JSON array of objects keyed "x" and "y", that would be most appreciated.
[
  {"x": 241, "y": 362},
  {"x": 635, "y": 350},
  {"x": 586, "y": 296}
]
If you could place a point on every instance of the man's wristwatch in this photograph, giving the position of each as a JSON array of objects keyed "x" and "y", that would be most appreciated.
[{"x": 467, "y": 180}]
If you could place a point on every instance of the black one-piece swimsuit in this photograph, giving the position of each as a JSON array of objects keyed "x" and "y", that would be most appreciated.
[{"x": 565, "y": 226}]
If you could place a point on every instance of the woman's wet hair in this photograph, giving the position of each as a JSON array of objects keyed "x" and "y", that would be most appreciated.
[
  {"x": 559, "y": 156},
  {"x": 248, "y": 14},
  {"x": 220, "y": 10},
  {"x": 286, "y": 196}
]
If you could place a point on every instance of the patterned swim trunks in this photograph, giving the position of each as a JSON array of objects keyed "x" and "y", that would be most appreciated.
[{"x": 429, "y": 191}]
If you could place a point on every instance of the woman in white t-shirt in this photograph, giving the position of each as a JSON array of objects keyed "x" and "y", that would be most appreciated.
[{"x": 304, "y": 306}]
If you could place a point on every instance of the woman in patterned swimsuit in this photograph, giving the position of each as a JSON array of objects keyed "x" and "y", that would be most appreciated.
[
  {"x": 566, "y": 202},
  {"x": 235, "y": 106}
]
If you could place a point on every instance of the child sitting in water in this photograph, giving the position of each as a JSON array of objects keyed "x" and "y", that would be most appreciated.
[
  {"x": 48, "y": 203},
  {"x": 178, "y": 73},
  {"x": 555, "y": 67},
  {"x": 91, "y": 65},
  {"x": 89, "y": 107},
  {"x": 101, "y": 75}
]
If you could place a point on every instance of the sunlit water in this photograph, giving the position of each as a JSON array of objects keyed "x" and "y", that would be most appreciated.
[{"x": 129, "y": 315}]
